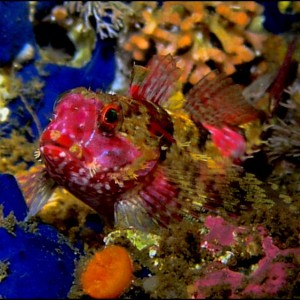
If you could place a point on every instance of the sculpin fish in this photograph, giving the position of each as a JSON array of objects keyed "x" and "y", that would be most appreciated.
[{"x": 137, "y": 159}]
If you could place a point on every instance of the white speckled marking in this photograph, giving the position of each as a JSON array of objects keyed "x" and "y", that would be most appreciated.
[
  {"x": 81, "y": 171},
  {"x": 98, "y": 186},
  {"x": 62, "y": 154},
  {"x": 107, "y": 186}
]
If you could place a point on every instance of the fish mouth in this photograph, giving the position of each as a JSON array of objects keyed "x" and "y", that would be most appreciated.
[
  {"x": 55, "y": 144},
  {"x": 56, "y": 153}
]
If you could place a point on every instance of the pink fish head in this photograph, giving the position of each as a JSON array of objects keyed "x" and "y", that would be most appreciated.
[{"x": 100, "y": 145}]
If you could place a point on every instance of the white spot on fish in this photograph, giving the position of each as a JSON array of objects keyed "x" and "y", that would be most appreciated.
[
  {"x": 77, "y": 179},
  {"x": 98, "y": 186},
  {"x": 107, "y": 186},
  {"x": 62, "y": 165},
  {"x": 81, "y": 171},
  {"x": 62, "y": 154},
  {"x": 85, "y": 181}
]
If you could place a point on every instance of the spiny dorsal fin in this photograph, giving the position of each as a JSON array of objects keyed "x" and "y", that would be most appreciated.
[
  {"x": 157, "y": 81},
  {"x": 217, "y": 100}
]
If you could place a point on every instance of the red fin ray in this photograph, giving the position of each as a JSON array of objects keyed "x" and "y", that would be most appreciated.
[
  {"x": 157, "y": 82},
  {"x": 159, "y": 200},
  {"x": 138, "y": 75}
]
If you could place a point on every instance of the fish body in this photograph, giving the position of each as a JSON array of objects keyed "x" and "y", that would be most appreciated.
[{"x": 130, "y": 157}]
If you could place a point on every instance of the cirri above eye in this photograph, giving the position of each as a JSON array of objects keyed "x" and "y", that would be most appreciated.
[{"x": 110, "y": 117}]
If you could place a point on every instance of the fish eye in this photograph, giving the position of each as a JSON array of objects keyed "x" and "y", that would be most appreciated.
[{"x": 110, "y": 117}]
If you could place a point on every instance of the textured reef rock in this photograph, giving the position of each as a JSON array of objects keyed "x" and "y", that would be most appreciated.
[{"x": 246, "y": 263}]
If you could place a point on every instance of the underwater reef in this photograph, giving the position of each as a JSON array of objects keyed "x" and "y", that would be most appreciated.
[{"x": 242, "y": 239}]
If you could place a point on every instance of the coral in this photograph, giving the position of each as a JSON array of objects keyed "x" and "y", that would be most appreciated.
[
  {"x": 108, "y": 273},
  {"x": 283, "y": 133},
  {"x": 3, "y": 270},
  {"x": 165, "y": 262},
  {"x": 73, "y": 218},
  {"x": 108, "y": 15},
  {"x": 274, "y": 271},
  {"x": 16, "y": 153},
  {"x": 204, "y": 35},
  {"x": 284, "y": 141}
]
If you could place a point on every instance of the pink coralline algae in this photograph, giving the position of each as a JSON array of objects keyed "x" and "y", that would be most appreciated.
[{"x": 272, "y": 271}]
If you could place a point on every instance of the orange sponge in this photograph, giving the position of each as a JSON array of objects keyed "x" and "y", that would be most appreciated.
[{"x": 108, "y": 273}]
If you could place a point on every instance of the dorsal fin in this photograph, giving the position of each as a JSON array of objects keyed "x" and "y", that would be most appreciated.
[
  {"x": 157, "y": 81},
  {"x": 217, "y": 100}
]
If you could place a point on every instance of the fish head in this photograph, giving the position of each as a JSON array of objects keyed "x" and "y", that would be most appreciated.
[{"x": 99, "y": 145}]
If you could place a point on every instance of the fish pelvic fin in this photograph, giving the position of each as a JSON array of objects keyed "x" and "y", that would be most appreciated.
[
  {"x": 129, "y": 212},
  {"x": 37, "y": 188},
  {"x": 158, "y": 203},
  {"x": 156, "y": 82}
]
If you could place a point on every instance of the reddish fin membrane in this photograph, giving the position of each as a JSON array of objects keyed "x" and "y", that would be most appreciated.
[
  {"x": 137, "y": 78},
  {"x": 37, "y": 188},
  {"x": 217, "y": 100},
  {"x": 229, "y": 142},
  {"x": 160, "y": 200},
  {"x": 157, "y": 82}
]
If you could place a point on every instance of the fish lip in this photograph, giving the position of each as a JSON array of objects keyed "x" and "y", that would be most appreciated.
[{"x": 52, "y": 149}]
